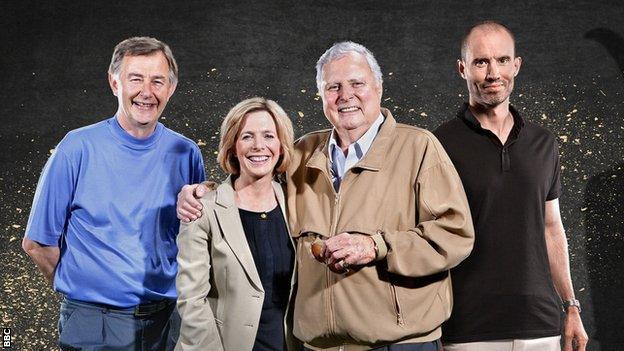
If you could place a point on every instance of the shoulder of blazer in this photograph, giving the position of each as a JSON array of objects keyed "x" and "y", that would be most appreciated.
[
  {"x": 207, "y": 214},
  {"x": 209, "y": 200}
]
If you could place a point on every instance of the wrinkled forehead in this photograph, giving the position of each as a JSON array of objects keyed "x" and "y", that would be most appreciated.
[{"x": 487, "y": 42}]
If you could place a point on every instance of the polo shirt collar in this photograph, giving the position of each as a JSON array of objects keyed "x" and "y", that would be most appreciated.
[{"x": 466, "y": 115}]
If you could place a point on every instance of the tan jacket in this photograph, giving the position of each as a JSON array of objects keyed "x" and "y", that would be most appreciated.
[
  {"x": 406, "y": 193},
  {"x": 220, "y": 294}
]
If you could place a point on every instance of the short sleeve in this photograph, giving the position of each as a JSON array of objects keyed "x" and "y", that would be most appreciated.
[
  {"x": 555, "y": 184},
  {"x": 198, "y": 173},
  {"x": 52, "y": 202}
]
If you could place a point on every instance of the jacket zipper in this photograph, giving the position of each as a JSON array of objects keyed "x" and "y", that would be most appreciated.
[
  {"x": 397, "y": 305},
  {"x": 329, "y": 276}
]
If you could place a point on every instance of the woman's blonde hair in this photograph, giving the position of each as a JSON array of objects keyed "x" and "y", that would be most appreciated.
[{"x": 233, "y": 122}]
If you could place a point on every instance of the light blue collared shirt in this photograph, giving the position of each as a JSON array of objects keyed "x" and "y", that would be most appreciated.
[{"x": 340, "y": 163}]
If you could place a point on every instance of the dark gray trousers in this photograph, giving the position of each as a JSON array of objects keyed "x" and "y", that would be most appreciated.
[{"x": 90, "y": 327}]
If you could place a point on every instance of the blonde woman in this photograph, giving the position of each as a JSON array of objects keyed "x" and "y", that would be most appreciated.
[{"x": 236, "y": 263}]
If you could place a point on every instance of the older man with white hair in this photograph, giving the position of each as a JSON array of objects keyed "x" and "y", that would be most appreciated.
[
  {"x": 380, "y": 216},
  {"x": 385, "y": 204}
]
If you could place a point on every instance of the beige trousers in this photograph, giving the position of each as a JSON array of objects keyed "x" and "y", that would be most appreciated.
[{"x": 541, "y": 344}]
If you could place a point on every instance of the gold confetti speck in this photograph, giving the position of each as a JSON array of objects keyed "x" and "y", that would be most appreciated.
[
  {"x": 564, "y": 138},
  {"x": 201, "y": 142},
  {"x": 583, "y": 209},
  {"x": 300, "y": 114},
  {"x": 16, "y": 226},
  {"x": 213, "y": 70},
  {"x": 423, "y": 114},
  {"x": 303, "y": 90}
]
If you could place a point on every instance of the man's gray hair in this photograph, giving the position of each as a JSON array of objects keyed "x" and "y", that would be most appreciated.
[
  {"x": 137, "y": 46},
  {"x": 341, "y": 49}
]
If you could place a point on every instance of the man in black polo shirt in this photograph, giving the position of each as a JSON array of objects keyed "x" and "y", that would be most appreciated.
[{"x": 508, "y": 293}]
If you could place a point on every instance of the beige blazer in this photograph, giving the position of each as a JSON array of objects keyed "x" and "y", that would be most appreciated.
[{"x": 220, "y": 294}]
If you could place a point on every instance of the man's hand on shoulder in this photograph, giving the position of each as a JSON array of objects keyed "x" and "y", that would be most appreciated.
[{"x": 188, "y": 207}]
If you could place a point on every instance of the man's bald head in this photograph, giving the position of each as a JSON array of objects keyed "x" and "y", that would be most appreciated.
[{"x": 486, "y": 26}]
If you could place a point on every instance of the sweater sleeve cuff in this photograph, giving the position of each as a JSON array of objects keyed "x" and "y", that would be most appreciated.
[{"x": 380, "y": 244}]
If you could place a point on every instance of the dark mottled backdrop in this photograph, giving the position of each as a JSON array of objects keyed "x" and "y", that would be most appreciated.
[{"x": 55, "y": 55}]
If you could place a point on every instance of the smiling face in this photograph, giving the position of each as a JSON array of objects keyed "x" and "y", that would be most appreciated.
[
  {"x": 351, "y": 95},
  {"x": 489, "y": 67},
  {"x": 258, "y": 147},
  {"x": 143, "y": 88}
]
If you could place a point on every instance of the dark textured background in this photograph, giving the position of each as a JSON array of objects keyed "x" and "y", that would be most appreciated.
[{"x": 55, "y": 55}]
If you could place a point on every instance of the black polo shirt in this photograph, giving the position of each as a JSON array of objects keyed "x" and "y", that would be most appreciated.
[{"x": 504, "y": 289}]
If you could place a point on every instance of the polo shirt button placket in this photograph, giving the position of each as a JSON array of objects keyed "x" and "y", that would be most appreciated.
[{"x": 505, "y": 159}]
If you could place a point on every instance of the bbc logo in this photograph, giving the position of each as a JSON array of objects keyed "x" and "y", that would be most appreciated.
[{"x": 6, "y": 338}]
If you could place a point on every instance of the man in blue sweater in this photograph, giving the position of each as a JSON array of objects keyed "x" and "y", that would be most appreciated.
[{"x": 103, "y": 225}]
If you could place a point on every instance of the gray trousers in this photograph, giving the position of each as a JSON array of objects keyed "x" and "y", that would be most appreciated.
[{"x": 90, "y": 327}]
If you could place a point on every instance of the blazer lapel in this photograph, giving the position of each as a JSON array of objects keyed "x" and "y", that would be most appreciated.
[
  {"x": 232, "y": 230},
  {"x": 279, "y": 194}
]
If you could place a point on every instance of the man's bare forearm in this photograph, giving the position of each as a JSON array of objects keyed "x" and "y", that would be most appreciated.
[
  {"x": 45, "y": 257},
  {"x": 557, "y": 247}
]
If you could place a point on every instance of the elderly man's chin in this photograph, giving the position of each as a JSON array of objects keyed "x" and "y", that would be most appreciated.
[{"x": 351, "y": 121}]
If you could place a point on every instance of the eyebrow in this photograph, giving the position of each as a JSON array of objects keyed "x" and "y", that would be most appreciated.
[
  {"x": 477, "y": 59},
  {"x": 133, "y": 74},
  {"x": 351, "y": 80},
  {"x": 261, "y": 131}
]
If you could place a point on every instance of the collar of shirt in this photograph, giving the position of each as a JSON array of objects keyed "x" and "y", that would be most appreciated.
[
  {"x": 340, "y": 163},
  {"x": 466, "y": 115}
]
